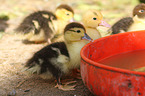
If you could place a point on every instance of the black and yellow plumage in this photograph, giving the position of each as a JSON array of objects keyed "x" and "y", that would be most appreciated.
[
  {"x": 42, "y": 26},
  {"x": 58, "y": 59},
  {"x": 35, "y": 24}
]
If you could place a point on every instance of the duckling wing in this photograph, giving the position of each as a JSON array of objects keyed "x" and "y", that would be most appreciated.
[
  {"x": 122, "y": 25},
  {"x": 36, "y": 22},
  {"x": 27, "y": 24}
]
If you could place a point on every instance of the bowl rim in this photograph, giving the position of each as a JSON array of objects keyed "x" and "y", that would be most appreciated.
[{"x": 106, "y": 67}]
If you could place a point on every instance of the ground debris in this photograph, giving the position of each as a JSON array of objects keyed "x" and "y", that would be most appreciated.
[{"x": 20, "y": 83}]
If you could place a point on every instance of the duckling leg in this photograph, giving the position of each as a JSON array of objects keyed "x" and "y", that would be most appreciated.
[
  {"x": 77, "y": 70},
  {"x": 65, "y": 87},
  {"x": 65, "y": 81}
]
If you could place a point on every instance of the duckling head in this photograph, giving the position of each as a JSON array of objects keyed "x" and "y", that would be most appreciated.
[
  {"x": 93, "y": 18},
  {"x": 75, "y": 32},
  {"x": 64, "y": 12},
  {"x": 139, "y": 10}
]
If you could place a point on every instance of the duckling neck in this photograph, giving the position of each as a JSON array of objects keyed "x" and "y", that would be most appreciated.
[
  {"x": 90, "y": 27},
  {"x": 74, "y": 49},
  {"x": 62, "y": 19},
  {"x": 138, "y": 20},
  {"x": 60, "y": 26},
  {"x": 93, "y": 33}
]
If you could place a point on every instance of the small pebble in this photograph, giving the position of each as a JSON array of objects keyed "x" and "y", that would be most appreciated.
[{"x": 26, "y": 90}]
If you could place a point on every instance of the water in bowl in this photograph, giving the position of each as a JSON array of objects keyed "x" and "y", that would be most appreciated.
[{"x": 129, "y": 60}]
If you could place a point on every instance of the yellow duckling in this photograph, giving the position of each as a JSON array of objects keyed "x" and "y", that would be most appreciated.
[
  {"x": 92, "y": 19},
  {"x": 42, "y": 26},
  {"x": 59, "y": 58},
  {"x": 64, "y": 14}
]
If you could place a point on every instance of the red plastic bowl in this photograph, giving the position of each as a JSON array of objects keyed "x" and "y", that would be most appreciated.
[{"x": 103, "y": 80}]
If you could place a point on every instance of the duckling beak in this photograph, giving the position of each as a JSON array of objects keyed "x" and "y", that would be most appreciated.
[
  {"x": 86, "y": 37},
  {"x": 104, "y": 23},
  {"x": 72, "y": 20}
]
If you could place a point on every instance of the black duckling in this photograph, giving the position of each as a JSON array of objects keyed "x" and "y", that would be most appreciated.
[
  {"x": 131, "y": 24},
  {"x": 60, "y": 58},
  {"x": 42, "y": 26}
]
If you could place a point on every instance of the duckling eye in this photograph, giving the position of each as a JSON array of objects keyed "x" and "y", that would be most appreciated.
[
  {"x": 78, "y": 31},
  {"x": 141, "y": 11},
  {"x": 67, "y": 14},
  {"x": 94, "y": 18}
]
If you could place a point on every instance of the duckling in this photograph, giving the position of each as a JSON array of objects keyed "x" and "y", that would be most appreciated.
[
  {"x": 59, "y": 58},
  {"x": 131, "y": 24},
  {"x": 65, "y": 15},
  {"x": 35, "y": 28},
  {"x": 92, "y": 19},
  {"x": 41, "y": 26}
]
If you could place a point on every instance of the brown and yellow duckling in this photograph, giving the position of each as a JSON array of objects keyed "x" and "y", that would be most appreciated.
[
  {"x": 42, "y": 26},
  {"x": 91, "y": 20},
  {"x": 60, "y": 58},
  {"x": 137, "y": 22}
]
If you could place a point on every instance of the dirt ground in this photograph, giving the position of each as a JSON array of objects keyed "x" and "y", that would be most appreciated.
[{"x": 13, "y": 53}]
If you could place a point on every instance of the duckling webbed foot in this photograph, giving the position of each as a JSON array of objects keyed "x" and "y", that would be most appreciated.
[{"x": 65, "y": 87}]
